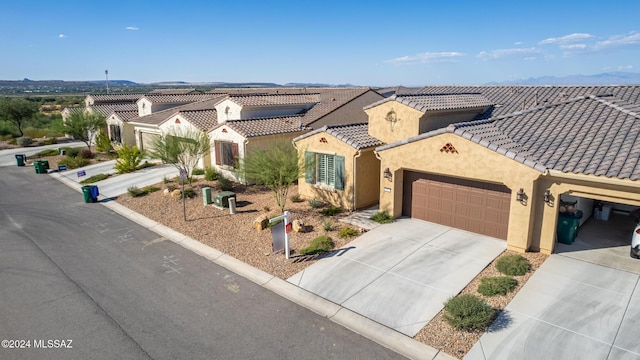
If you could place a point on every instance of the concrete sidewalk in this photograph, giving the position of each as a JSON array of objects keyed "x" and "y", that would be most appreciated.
[
  {"x": 569, "y": 309},
  {"x": 400, "y": 274}
]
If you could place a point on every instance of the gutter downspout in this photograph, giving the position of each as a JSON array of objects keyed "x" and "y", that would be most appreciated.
[{"x": 355, "y": 172}]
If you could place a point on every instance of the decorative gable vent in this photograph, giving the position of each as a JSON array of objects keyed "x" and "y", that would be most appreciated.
[
  {"x": 323, "y": 140},
  {"x": 448, "y": 148},
  {"x": 177, "y": 121}
]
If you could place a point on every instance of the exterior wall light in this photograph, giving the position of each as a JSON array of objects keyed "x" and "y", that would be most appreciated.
[
  {"x": 388, "y": 175},
  {"x": 547, "y": 196},
  {"x": 520, "y": 195}
]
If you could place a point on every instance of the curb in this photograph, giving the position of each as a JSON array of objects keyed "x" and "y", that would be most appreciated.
[{"x": 355, "y": 322}]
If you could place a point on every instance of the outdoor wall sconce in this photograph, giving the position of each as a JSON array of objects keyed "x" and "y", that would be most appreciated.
[
  {"x": 388, "y": 175},
  {"x": 547, "y": 196},
  {"x": 392, "y": 118},
  {"x": 520, "y": 195}
]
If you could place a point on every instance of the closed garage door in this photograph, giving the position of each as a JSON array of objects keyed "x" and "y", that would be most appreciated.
[
  {"x": 146, "y": 140},
  {"x": 464, "y": 204}
]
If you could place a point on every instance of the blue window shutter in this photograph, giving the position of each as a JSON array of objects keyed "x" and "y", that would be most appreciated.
[
  {"x": 339, "y": 166},
  {"x": 309, "y": 164}
]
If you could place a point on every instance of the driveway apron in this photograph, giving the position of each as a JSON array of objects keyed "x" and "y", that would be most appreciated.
[{"x": 400, "y": 274}]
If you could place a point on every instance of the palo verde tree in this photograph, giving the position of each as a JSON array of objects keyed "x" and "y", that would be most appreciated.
[
  {"x": 277, "y": 167},
  {"x": 17, "y": 111},
  {"x": 180, "y": 147},
  {"x": 84, "y": 126}
]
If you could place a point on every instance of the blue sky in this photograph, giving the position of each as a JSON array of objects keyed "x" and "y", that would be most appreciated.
[{"x": 375, "y": 43}]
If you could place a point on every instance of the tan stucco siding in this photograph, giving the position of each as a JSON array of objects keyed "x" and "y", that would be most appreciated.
[
  {"x": 587, "y": 186},
  {"x": 408, "y": 123},
  {"x": 367, "y": 179},
  {"x": 471, "y": 161},
  {"x": 332, "y": 146}
]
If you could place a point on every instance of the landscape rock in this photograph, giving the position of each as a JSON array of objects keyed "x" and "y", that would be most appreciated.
[
  {"x": 166, "y": 192},
  {"x": 176, "y": 193},
  {"x": 261, "y": 222},
  {"x": 299, "y": 226}
]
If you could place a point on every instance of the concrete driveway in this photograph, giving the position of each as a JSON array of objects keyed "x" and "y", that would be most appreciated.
[
  {"x": 569, "y": 309},
  {"x": 400, "y": 274}
]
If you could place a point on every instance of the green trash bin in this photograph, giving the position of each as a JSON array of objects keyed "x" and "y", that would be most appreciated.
[
  {"x": 40, "y": 166},
  {"x": 568, "y": 224},
  {"x": 90, "y": 193},
  {"x": 206, "y": 195},
  {"x": 20, "y": 159}
]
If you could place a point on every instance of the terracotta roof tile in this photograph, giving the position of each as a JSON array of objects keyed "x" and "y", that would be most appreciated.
[
  {"x": 437, "y": 102},
  {"x": 354, "y": 135},
  {"x": 266, "y": 126},
  {"x": 274, "y": 99},
  {"x": 204, "y": 120},
  {"x": 178, "y": 99},
  {"x": 161, "y": 116},
  {"x": 107, "y": 109}
]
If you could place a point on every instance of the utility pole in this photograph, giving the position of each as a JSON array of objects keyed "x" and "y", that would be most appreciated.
[{"x": 106, "y": 73}]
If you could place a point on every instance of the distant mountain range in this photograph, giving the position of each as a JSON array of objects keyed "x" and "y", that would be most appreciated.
[{"x": 609, "y": 78}]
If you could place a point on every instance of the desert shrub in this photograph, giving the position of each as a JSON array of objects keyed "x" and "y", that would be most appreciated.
[
  {"x": 103, "y": 144},
  {"x": 95, "y": 178},
  {"x": 331, "y": 211},
  {"x": 315, "y": 203},
  {"x": 35, "y": 133},
  {"x": 44, "y": 153},
  {"x": 190, "y": 193},
  {"x": 210, "y": 174},
  {"x": 86, "y": 154},
  {"x": 12, "y": 141},
  {"x": 347, "y": 232},
  {"x": 266, "y": 208},
  {"x": 467, "y": 312},
  {"x": 49, "y": 141},
  {"x": 71, "y": 151},
  {"x": 513, "y": 265},
  {"x": 498, "y": 285},
  {"x": 24, "y": 141},
  {"x": 319, "y": 245},
  {"x": 145, "y": 165},
  {"x": 129, "y": 158},
  {"x": 296, "y": 198},
  {"x": 382, "y": 217},
  {"x": 224, "y": 183},
  {"x": 134, "y": 191},
  {"x": 74, "y": 162},
  {"x": 197, "y": 171},
  {"x": 327, "y": 225},
  {"x": 166, "y": 180}
]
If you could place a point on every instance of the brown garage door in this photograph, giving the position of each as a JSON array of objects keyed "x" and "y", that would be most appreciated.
[{"x": 464, "y": 204}]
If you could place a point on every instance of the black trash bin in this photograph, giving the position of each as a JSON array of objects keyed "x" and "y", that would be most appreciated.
[{"x": 20, "y": 158}]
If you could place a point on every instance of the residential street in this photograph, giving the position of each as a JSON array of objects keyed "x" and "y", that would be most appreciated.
[{"x": 79, "y": 272}]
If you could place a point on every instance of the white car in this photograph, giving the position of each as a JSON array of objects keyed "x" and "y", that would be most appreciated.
[{"x": 635, "y": 243}]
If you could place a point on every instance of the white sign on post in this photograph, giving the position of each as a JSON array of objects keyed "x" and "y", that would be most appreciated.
[{"x": 280, "y": 232}]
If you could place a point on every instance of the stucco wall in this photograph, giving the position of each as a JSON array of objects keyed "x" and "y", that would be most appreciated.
[
  {"x": 342, "y": 198},
  {"x": 367, "y": 180},
  {"x": 471, "y": 161},
  {"x": 408, "y": 124}
]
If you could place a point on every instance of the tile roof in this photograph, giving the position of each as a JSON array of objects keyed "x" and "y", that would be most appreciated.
[
  {"x": 354, "y": 135},
  {"x": 178, "y": 99},
  {"x": 266, "y": 126},
  {"x": 274, "y": 99},
  {"x": 509, "y": 99},
  {"x": 107, "y": 109},
  {"x": 592, "y": 135},
  {"x": 175, "y": 91},
  {"x": 111, "y": 98},
  {"x": 332, "y": 99},
  {"x": 125, "y": 116},
  {"x": 204, "y": 120},
  {"x": 161, "y": 116},
  {"x": 437, "y": 102},
  {"x": 397, "y": 90}
]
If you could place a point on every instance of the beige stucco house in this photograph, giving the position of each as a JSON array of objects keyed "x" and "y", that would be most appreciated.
[{"x": 499, "y": 160}]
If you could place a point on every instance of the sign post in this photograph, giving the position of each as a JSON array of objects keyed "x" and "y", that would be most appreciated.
[
  {"x": 287, "y": 227},
  {"x": 183, "y": 174}
]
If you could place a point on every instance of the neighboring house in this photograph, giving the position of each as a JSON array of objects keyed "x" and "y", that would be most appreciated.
[
  {"x": 500, "y": 162},
  {"x": 152, "y": 103},
  {"x": 119, "y": 130},
  {"x": 338, "y": 160}
]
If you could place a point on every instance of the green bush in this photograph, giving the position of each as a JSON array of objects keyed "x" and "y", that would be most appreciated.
[
  {"x": 499, "y": 285},
  {"x": 296, "y": 198},
  {"x": 197, "y": 171},
  {"x": 190, "y": 193},
  {"x": 13, "y": 142},
  {"x": 319, "y": 245},
  {"x": 24, "y": 141},
  {"x": 347, "y": 232},
  {"x": 129, "y": 158},
  {"x": 103, "y": 143},
  {"x": 224, "y": 183},
  {"x": 45, "y": 153},
  {"x": 331, "y": 211},
  {"x": 95, "y": 178},
  {"x": 382, "y": 217},
  {"x": 50, "y": 141},
  {"x": 315, "y": 203},
  {"x": 210, "y": 174},
  {"x": 86, "y": 154},
  {"x": 71, "y": 151},
  {"x": 327, "y": 225},
  {"x": 135, "y": 192},
  {"x": 513, "y": 265},
  {"x": 74, "y": 162},
  {"x": 468, "y": 312}
]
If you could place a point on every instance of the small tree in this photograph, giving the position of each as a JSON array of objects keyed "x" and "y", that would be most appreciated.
[
  {"x": 103, "y": 143},
  {"x": 84, "y": 126},
  {"x": 276, "y": 167},
  {"x": 181, "y": 147},
  {"x": 17, "y": 111}
]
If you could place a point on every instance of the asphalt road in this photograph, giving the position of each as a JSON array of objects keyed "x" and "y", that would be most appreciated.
[{"x": 79, "y": 272}]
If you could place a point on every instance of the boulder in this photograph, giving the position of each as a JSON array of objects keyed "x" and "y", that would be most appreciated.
[
  {"x": 176, "y": 193},
  {"x": 166, "y": 192},
  {"x": 261, "y": 222},
  {"x": 299, "y": 226}
]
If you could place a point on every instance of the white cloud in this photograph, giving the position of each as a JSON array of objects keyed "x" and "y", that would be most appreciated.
[
  {"x": 573, "y": 47},
  {"x": 423, "y": 58},
  {"x": 131, "y": 28},
  {"x": 526, "y": 53},
  {"x": 626, "y": 67},
  {"x": 618, "y": 41},
  {"x": 517, "y": 43},
  {"x": 566, "y": 39},
  {"x": 62, "y": 36}
]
